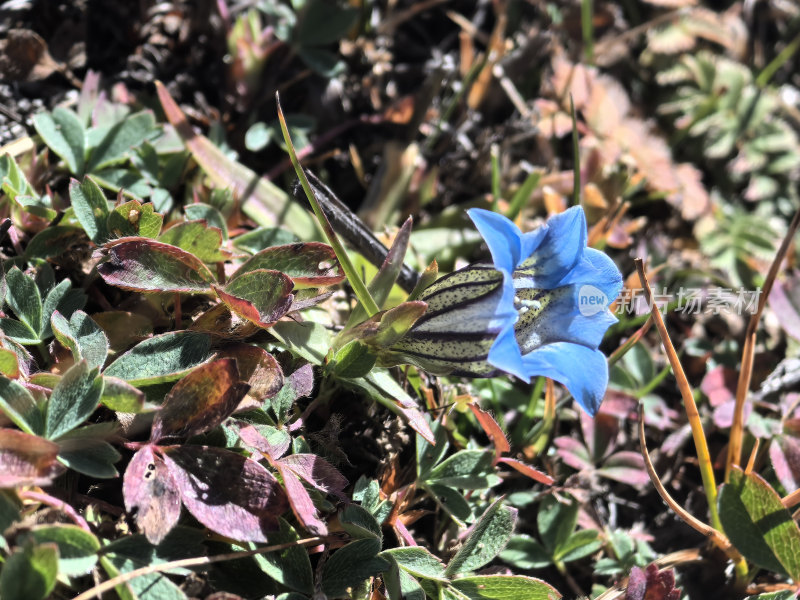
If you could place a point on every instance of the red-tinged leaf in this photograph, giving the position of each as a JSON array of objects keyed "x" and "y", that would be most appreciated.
[
  {"x": 652, "y": 584},
  {"x": 316, "y": 471},
  {"x": 200, "y": 401},
  {"x": 220, "y": 321},
  {"x": 311, "y": 264},
  {"x": 719, "y": 385},
  {"x": 145, "y": 265},
  {"x": 417, "y": 421},
  {"x": 300, "y": 501},
  {"x": 258, "y": 368},
  {"x": 527, "y": 470},
  {"x": 492, "y": 429},
  {"x": 573, "y": 453},
  {"x": 228, "y": 493},
  {"x": 784, "y": 308},
  {"x": 149, "y": 488},
  {"x": 26, "y": 459},
  {"x": 625, "y": 467},
  {"x": 261, "y": 200},
  {"x": 784, "y": 452},
  {"x": 262, "y": 296},
  {"x": 252, "y": 437}
]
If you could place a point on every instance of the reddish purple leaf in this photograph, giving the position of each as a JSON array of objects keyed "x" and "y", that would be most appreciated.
[
  {"x": 226, "y": 492},
  {"x": 26, "y": 459},
  {"x": 527, "y": 470},
  {"x": 301, "y": 382},
  {"x": 652, "y": 584},
  {"x": 310, "y": 264},
  {"x": 723, "y": 414},
  {"x": 719, "y": 385},
  {"x": 573, "y": 453},
  {"x": 492, "y": 429},
  {"x": 262, "y": 297},
  {"x": 599, "y": 433},
  {"x": 252, "y": 437},
  {"x": 300, "y": 501},
  {"x": 625, "y": 467},
  {"x": 149, "y": 489},
  {"x": 200, "y": 401},
  {"x": 316, "y": 471},
  {"x": 144, "y": 265},
  {"x": 786, "y": 311},
  {"x": 258, "y": 368},
  {"x": 784, "y": 452}
]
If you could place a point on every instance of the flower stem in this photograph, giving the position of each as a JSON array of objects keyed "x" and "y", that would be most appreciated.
[
  {"x": 701, "y": 445},
  {"x": 361, "y": 291}
]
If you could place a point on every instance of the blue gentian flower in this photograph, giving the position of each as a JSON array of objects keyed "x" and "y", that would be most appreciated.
[{"x": 540, "y": 309}]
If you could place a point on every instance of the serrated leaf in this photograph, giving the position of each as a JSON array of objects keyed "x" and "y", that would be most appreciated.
[
  {"x": 198, "y": 238},
  {"x": 758, "y": 525},
  {"x": 141, "y": 264},
  {"x": 74, "y": 398},
  {"x": 505, "y": 587},
  {"x": 91, "y": 208},
  {"x": 417, "y": 561},
  {"x": 351, "y": 565},
  {"x": 82, "y": 336},
  {"x": 200, "y": 401},
  {"x": 77, "y": 548},
  {"x": 134, "y": 219},
  {"x": 162, "y": 358},
  {"x": 226, "y": 492},
  {"x": 485, "y": 539},
  {"x": 262, "y": 296},
  {"x": 63, "y": 132}
]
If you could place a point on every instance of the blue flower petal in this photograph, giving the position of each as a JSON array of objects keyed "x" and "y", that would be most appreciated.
[
  {"x": 598, "y": 270},
  {"x": 502, "y": 237},
  {"x": 575, "y": 314},
  {"x": 584, "y": 371},
  {"x": 559, "y": 251}
]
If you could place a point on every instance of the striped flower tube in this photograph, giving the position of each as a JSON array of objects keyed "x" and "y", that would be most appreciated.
[{"x": 540, "y": 309}]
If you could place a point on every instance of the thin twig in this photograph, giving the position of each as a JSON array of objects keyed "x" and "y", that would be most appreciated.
[
  {"x": 749, "y": 350},
  {"x": 191, "y": 562},
  {"x": 703, "y": 456}
]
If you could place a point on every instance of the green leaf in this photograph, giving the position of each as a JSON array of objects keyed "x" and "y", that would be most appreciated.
[
  {"x": 417, "y": 561},
  {"x": 580, "y": 544},
  {"x": 556, "y": 521},
  {"x": 359, "y": 522},
  {"x": 466, "y": 469},
  {"x": 308, "y": 340},
  {"x": 24, "y": 299},
  {"x": 121, "y": 396},
  {"x": 129, "y": 182},
  {"x": 428, "y": 455},
  {"x": 9, "y": 363},
  {"x": 85, "y": 450},
  {"x": 121, "y": 139},
  {"x": 30, "y": 573},
  {"x": 77, "y": 548},
  {"x": 505, "y": 587},
  {"x": 262, "y": 296},
  {"x": 198, "y": 238},
  {"x": 453, "y": 502},
  {"x": 135, "y": 219},
  {"x": 323, "y": 23},
  {"x": 290, "y": 567},
  {"x": 312, "y": 264},
  {"x": 782, "y": 595},
  {"x": 162, "y": 358},
  {"x": 263, "y": 237},
  {"x": 401, "y": 586},
  {"x": 18, "y": 332},
  {"x": 74, "y": 398},
  {"x": 18, "y": 405},
  {"x": 207, "y": 213},
  {"x": 58, "y": 240},
  {"x": 91, "y": 208},
  {"x": 351, "y": 565},
  {"x": 145, "y": 265},
  {"x": 353, "y": 360},
  {"x": 525, "y": 553},
  {"x": 486, "y": 539},
  {"x": 82, "y": 336},
  {"x": 758, "y": 525},
  {"x": 63, "y": 132}
]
